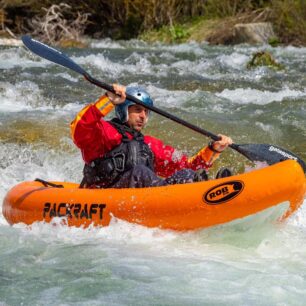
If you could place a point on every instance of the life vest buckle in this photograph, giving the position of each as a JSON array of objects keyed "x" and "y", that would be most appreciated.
[{"x": 119, "y": 161}]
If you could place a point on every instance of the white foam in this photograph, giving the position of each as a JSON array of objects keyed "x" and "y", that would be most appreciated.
[
  {"x": 117, "y": 232},
  {"x": 235, "y": 60},
  {"x": 255, "y": 96},
  {"x": 201, "y": 244},
  {"x": 27, "y": 96},
  {"x": 299, "y": 219},
  {"x": 145, "y": 63},
  {"x": 191, "y": 47},
  {"x": 172, "y": 98},
  {"x": 276, "y": 132},
  {"x": 134, "y": 64},
  {"x": 19, "y": 57},
  {"x": 102, "y": 63},
  {"x": 23, "y": 96},
  {"x": 291, "y": 51},
  {"x": 67, "y": 76},
  {"x": 199, "y": 67},
  {"x": 257, "y": 165},
  {"x": 139, "y": 62},
  {"x": 22, "y": 163},
  {"x": 106, "y": 43}
]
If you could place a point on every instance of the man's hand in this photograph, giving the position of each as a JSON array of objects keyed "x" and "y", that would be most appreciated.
[
  {"x": 120, "y": 95},
  {"x": 222, "y": 144}
]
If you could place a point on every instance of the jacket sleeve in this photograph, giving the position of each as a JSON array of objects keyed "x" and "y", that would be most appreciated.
[
  {"x": 169, "y": 160},
  {"x": 203, "y": 159},
  {"x": 87, "y": 128}
]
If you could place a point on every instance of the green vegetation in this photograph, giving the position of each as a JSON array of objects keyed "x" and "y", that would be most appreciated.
[
  {"x": 264, "y": 58},
  {"x": 168, "y": 34},
  {"x": 197, "y": 29},
  {"x": 168, "y": 20},
  {"x": 274, "y": 41},
  {"x": 289, "y": 20}
]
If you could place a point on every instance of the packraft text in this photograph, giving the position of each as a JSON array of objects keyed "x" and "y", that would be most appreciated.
[{"x": 78, "y": 211}]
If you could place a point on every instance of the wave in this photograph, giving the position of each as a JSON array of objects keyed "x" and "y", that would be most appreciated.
[
  {"x": 255, "y": 96},
  {"x": 23, "y": 96},
  {"x": 191, "y": 47},
  {"x": 133, "y": 64},
  {"x": 20, "y": 57},
  {"x": 20, "y": 162},
  {"x": 27, "y": 96}
]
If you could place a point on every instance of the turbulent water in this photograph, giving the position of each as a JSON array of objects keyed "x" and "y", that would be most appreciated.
[{"x": 256, "y": 263}]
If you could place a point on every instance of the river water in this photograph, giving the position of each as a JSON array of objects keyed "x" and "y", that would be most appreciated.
[{"x": 257, "y": 263}]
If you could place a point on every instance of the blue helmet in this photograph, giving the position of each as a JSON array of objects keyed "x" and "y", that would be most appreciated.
[{"x": 137, "y": 92}]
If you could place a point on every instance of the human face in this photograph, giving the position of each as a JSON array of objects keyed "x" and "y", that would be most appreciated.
[{"x": 138, "y": 117}]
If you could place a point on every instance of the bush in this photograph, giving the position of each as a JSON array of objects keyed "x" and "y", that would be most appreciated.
[
  {"x": 289, "y": 20},
  {"x": 129, "y": 18}
]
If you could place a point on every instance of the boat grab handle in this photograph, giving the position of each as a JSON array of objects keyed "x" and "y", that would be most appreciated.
[{"x": 46, "y": 183}]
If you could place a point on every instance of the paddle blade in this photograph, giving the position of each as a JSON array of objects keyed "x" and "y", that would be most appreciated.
[
  {"x": 267, "y": 153},
  {"x": 51, "y": 54}
]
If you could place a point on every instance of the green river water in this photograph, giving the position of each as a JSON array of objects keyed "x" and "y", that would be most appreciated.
[{"x": 253, "y": 263}]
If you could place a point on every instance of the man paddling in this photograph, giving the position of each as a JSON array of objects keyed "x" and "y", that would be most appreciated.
[{"x": 118, "y": 155}]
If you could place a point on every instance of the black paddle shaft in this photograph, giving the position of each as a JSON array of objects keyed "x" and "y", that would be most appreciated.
[{"x": 254, "y": 152}]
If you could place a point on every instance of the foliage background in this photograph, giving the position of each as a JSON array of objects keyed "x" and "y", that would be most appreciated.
[{"x": 125, "y": 19}]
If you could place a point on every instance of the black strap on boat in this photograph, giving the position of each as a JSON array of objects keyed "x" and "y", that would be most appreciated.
[{"x": 46, "y": 183}]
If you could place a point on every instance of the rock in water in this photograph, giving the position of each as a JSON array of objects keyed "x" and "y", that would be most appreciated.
[{"x": 264, "y": 58}]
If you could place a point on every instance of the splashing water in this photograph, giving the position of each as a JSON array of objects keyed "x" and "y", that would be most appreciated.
[{"x": 246, "y": 263}]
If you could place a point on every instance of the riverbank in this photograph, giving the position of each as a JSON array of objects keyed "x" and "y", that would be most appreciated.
[
  {"x": 169, "y": 21},
  {"x": 216, "y": 31}
]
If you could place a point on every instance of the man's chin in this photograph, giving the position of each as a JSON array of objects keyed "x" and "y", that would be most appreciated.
[{"x": 138, "y": 128}]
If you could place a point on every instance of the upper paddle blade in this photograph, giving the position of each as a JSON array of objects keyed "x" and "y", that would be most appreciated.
[
  {"x": 51, "y": 54},
  {"x": 267, "y": 153}
]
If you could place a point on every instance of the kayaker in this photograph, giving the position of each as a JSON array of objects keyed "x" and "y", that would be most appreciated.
[{"x": 118, "y": 155}]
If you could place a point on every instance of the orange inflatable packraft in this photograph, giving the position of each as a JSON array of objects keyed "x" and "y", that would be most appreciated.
[{"x": 178, "y": 207}]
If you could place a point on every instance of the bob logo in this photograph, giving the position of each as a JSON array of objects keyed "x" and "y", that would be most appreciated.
[{"x": 223, "y": 192}]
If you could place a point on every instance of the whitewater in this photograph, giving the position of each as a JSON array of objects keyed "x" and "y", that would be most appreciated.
[{"x": 257, "y": 262}]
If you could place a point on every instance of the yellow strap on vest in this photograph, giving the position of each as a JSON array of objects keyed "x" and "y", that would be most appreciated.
[{"x": 102, "y": 104}]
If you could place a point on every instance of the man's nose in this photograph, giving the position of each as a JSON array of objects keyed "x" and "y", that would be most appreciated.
[{"x": 143, "y": 113}]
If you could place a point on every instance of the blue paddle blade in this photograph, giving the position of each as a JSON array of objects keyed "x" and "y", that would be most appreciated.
[
  {"x": 51, "y": 54},
  {"x": 268, "y": 153}
]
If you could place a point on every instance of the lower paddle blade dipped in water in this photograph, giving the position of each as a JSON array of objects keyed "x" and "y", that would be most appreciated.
[{"x": 268, "y": 153}]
